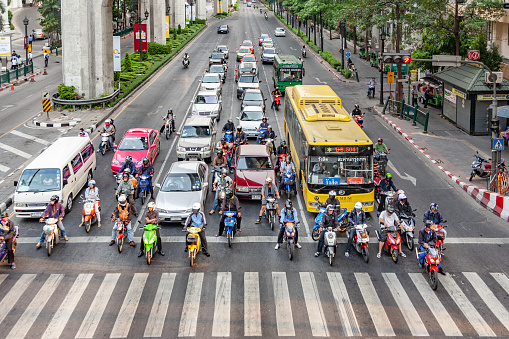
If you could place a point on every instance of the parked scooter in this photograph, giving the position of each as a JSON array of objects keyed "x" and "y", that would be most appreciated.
[
  {"x": 289, "y": 238},
  {"x": 150, "y": 241},
  {"x": 89, "y": 212},
  {"x": 51, "y": 231},
  {"x": 482, "y": 171},
  {"x": 361, "y": 241},
  {"x": 230, "y": 223},
  {"x": 193, "y": 243},
  {"x": 432, "y": 260}
]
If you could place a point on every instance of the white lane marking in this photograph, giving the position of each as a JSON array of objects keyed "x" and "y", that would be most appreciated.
[
  {"x": 30, "y": 137},
  {"x": 29, "y": 96},
  {"x": 406, "y": 307},
  {"x": 15, "y": 151},
  {"x": 470, "y": 312},
  {"x": 252, "y": 314},
  {"x": 155, "y": 324},
  {"x": 347, "y": 316},
  {"x": 322, "y": 82},
  {"x": 4, "y": 168},
  {"x": 222, "y": 308},
  {"x": 61, "y": 317},
  {"x": 501, "y": 278},
  {"x": 96, "y": 309},
  {"x": 12, "y": 297},
  {"x": 489, "y": 298},
  {"x": 376, "y": 311},
  {"x": 316, "y": 316},
  {"x": 284, "y": 317},
  {"x": 33, "y": 310},
  {"x": 189, "y": 319},
  {"x": 404, "y": 176},
  {"x": 2, "y": 278},
  {"x": 441, "y": 315},
  {"x": 126, "y": 314}
]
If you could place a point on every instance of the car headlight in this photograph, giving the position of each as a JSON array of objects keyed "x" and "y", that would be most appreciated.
[
  {"x": 20, "y": 205},
  {"x": 208, "y": 148},
  {"x": 115, "y": 162},
  {"x": 189, "y": 210},
  {"x": 180, "y": 149},
  {"x": 139, "y": 163},
  {"x": 160, "y": 210},
  {"x": 242, "y": 189}
]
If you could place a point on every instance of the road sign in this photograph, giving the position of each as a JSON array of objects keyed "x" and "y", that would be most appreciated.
[
  {"x": 498, "y": 144},
  {"x": 446, "y": 60},
  {"x": 46, "y": 102},
  {"x": 390, "y": 77},
  {"x": 348, "y": 54},
  {"x": 474, "y": 55}
]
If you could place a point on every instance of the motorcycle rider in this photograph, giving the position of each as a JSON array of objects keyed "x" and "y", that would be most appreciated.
[
  {"x": 230, "y": 203},
  {"x": 268, "y": 188},
  {"x": 333, "y": 200},
  {"x": 385, "y": 185},
  {"x": 264, "y": 125},
  {"x": 197, "y": 219},
  {"x": 123, "y": 211},
  {"x": 224, "y": 182},
  {"x": 286, "y": 166},
  {"x": 388, "y": 218},
  {"x": 128, "y": 164},
  {"x": 304, "y": 50},
  {"x": 7, "y": 232},
  {"x": 427, "y": 239},
  {"x": 108, "y": 128},
  {"x": 171, "y": 117},
  {"x": 356, "y": 110},
  {"x": 92, "y": 193},
  {"x": 274, "y": 93},
  {"x": 152, "y": 217},
  {"x": 186, "y": 57},
  {"x": 380, "y": 147},
  {"x": 229, "y": 126},
  {"x": 288, "y": 214},
  {"x": 240, "y": 137},
  {"x": 265, "y": 15},
  {"x": 355, "y": 217},
  {"x": 403, "y": 206},
  {"x": 282, "y": 148},
  {"x": 328, "y": 220},
  {"x": 54, "y": 210},
  {"x": 220, "y": 160},
  {"x": 225, "y": 147},
  {"x": 371, "y": 86},
  {"x": 126, "y": 188},
  {"x": 147, "y": 169},
  {"x": 433, "y": 215}
]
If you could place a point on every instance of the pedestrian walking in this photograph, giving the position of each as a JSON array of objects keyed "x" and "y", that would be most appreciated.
[
  {"x": 14, "y": 61},
  {"x": 46, "y": 54},
  {"x": 426, "y": 97},
  {"x": 29, "y": 58},
  {"x": 415, "y": 95}
]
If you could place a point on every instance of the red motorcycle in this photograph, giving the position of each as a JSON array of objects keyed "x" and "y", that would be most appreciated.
[
  {"x": 439, "y": 230},
  {"x": 392, "y": 242},
  {"x": 359, "y": 119},
  {"x": 277, "y": 101},
  {"x": 432, "y": 260},
  {"x": 376, "y": 180},
  {"x": 280, "y": 159}
]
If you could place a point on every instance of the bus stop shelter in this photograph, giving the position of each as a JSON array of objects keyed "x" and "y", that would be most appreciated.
[{"x": 467, "y": 98}]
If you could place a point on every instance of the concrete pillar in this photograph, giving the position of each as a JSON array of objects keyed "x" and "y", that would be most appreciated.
[
  {"x": 5, "y": 18},
  {"x": 87, "y": 61},
  {"x": 178, "y": 8},
  {"x": 145, "y": 5},
  {"x": 201, "y": 9},
  {"x": 158, "y": 21}
]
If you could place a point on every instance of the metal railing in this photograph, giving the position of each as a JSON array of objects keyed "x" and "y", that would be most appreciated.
[
  {"x": 85, "y": 102},
  {"x": 124, "y": 32},
  {"x": 16, "y": 73},
  {"x": 407, "y": 112}
]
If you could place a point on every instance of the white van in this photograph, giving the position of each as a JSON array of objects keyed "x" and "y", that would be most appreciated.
[{"x": 62, "y": 169}]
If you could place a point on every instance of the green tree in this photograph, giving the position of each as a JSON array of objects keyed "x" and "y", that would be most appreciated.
[
  {"x": 2, "y": 11},
  {"x": 50, "y": 18}
]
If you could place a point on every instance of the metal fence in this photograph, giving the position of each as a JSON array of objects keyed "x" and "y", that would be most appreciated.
[
  {"x": 407, "y": 112},
  {"x": 16, "y": 73}
]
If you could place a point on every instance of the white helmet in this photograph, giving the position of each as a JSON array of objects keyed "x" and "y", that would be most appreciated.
[
  {"x": 151, "y": 205},
  {"x": 402, "y": 196},
  {"x": 196, "y": 207},
  {"x": 358, "y": 205}
]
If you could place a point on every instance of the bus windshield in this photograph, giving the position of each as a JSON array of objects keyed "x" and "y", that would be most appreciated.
[
  {"x": 287, "y": 75},
  {"x": 339, "y": 170}
]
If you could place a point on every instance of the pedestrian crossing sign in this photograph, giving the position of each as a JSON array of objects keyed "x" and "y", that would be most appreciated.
[{"x": 498, "y": 144}]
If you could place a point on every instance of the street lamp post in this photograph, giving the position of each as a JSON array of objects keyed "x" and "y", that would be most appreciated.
[
  {"x": 343, "y": 32},
  {"x": 25, "y": 22},
  {"x": 140, "y": 20},
  {"x": 381, "y": 63},
  {"x": 168, "y": 10}
]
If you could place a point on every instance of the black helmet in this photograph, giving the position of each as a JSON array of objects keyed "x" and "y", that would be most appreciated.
[
  {"x": 264, "y": 118},
  {"x": 128, "y": 159},
  {"x": 229, "y": 194},
  {"x": 288, "y": 204},
  {"x": 428, "y": 223},
  {"x": 54, "y": 198},
  {"x": 219, "y": 152},
  {"x": 170, "y": 110},
  {"x": 390, "y": 209},
  {"x": 283, "y": 143},
  {"x": 223, "y": 140},
  {"x": 356, "y": 106},
  {"x": 239, "y": 128}
]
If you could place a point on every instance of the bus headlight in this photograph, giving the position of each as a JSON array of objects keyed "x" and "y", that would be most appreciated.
[{"x": 367, "y": 203}]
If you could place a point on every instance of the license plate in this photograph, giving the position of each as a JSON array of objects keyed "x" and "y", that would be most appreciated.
[
  {"x": 175, "y": 218},
  {"x": 257, "y": 197},
  {"x": 36, "y": 214}
]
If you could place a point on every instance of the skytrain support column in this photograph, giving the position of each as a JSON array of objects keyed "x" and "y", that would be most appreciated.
[
  {"x": 178, "y": 9},
  {"x": 201, "y": 9}
]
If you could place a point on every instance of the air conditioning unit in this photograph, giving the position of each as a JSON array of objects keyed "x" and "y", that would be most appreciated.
[{"x": 494, "y": 77}]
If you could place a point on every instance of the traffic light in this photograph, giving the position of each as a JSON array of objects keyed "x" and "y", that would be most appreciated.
[{"x": 397, "y": 58}]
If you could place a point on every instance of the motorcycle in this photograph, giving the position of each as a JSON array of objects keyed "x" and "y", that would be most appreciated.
[
  {"x": 270, "y": 211},
  {"x": 277, "y": 101},
  {"x": 269, "y": 143},
  {"x": 359, "y": 119},
  {"x": 382, "y": 163},
  {"x": 168, "y": 126},
  {"x": 361, "y": 241},
  {"x": 376, "y": 180},
  {"x": 119, "y": 179},
  {"x": 51, "y": 231},
  {"x": 330, "y": 244},
  {"x": 439, "y": 229},
  {"x": 304, "y": 53},
  {"x": 391, "y": 245},
  {"x": 371, "y": 91},
  {"x": 88, "y": 211},
  {"x": 193, "y": 243},
  {"x": 432, "y": 260},
  {"x": 121, "y": 233},
  {"x": 3, "y": 245},
  {"x": 186, "y": 62},
  {"x": 266, "y": 16},
  {"x": 289, "y": 183},
  {"x": 483, "y": 171},
  {"x": 408, "y": 229},
  {"x": 260, "y": 11},
  {"x": 150, "y": 241},
  {"x": 230, "y": 223},
  {"x": 105, "y": 142},
  {"x": 322, "y": 210},
  {"x": 228, "y": 135},
  {"x": 289, "y": 238},
  {"x": 144, "y": 187}
]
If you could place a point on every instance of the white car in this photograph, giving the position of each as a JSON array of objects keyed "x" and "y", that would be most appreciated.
[
  {"x": 280, "y": 31},
  {"x": 224, "y": 49},
  {"x": 208, "y": 104},
  {"x": 268, "y": 55},
  {"x": 211, "y": 82},
  {"x": 218, "y": 69},
  {"x": 196, "y": 140},
  {"x": 250, "y": 119},
  {"x": 247, "y": 68}
]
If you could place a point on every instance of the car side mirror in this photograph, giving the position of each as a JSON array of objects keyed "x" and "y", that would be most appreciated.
[
  {"x": 238, "y": 118},
  {"x": 65, "y": 182},
  {"x": 15, "y": 183},
  {"x": 259, "y": 81},
  {"x": 158, "y": 185},
  {"x": 115, "y": 146},
  {"x": 178, "y": 133},
  {"x": 205, "y": 185},
  {"x": 264, "y": 99}
]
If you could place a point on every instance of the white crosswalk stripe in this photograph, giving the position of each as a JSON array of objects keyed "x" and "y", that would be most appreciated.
[
  {"x": 30, "y": 137},
  {"x": 27, "y": 308},
  {"x": 15, "y": 151}
]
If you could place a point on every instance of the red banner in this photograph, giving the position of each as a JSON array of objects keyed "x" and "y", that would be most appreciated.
[{"x": 137, "y": 37}]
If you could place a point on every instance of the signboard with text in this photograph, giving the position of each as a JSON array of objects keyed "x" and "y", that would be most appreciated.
[
  {"x": 5, "y": 46},
  {"x": 137, "y": 37},
  {"x": 474, "y": 55},
  {"x": 117, "y": 67},
  {"x": 167, "y": 27}
]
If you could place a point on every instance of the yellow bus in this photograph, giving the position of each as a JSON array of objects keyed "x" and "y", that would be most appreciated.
[{"x": 329, "y": 150}]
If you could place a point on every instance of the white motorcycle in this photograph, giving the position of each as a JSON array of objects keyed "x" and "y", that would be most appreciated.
[
  {"x": 105, "y": 142},
  {"x": 407, "y": 234},
  {"x": 361, "y": 240},
  {"x": 330, "y": 244},
  {"x": 51, "y": 233}
]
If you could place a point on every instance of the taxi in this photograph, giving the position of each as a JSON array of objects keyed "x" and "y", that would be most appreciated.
[
  {"x": 248, "y": 43},
  {"x": 243, "y": 51},
  {"x": 139, "y": 143}
]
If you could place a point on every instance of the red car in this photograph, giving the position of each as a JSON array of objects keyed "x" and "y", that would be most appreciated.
[
  {"x": 261, "y": 38},
  {"x": 253, "y": 164},
  {"x": 139, "y": 143},
  {"x": 248, "y": 43}
]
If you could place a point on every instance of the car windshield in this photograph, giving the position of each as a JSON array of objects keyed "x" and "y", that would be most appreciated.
[
  {"x": 269, "y": 51},
  {"x": 216, "y": 69},
  {"x": 279, "y": 29},
  {"x": 222, "y": 48},
  {"x": 248, "y": 78},
  {"x": 244, "y": 50},
  {"x": 39, "y": 180},
  {"x": 210, "y": 79},
  {"x": 247, "y": 43},
  {"x": 268, "y": 41},
  {"x": 195, "y": 132},
  {"x": 206, "y": 99},
  {"x": 133, "y": 144},
  {"x": 247, "y": 68},
  {"x": 248, "y": 58},
  {"x": 217, "y": 56},
  {"x": 254, "y": 163},
  {"x": 340, "y": 170},
  {"x": 224, "y": 26},
  {"x": 181, "y": 182},
  {"x": 253, "y": 96},
  {"x": 251, "y": 116}
]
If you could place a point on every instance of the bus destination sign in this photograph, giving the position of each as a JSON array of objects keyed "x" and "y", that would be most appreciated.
[{"x": 341, "y": 149}]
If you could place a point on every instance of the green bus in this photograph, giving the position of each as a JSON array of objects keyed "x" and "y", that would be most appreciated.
[{"x": 288, "y": 71}]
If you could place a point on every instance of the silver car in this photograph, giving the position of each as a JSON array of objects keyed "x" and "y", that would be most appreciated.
[
  {"x": 247, "y": 68},
  {"x": 208, "y": 103},
  {"x": 224, "y": 49},
  {"x": 211, "y": 82},
  {"x": 280, "y": 31},
  {"x": 217, "y": 69},
  {"x": 250, "y": 119},
  {"x": 268, "y": 55},
  {"x": 196, "y": 140},
  {"x": 185, "y": 184}
]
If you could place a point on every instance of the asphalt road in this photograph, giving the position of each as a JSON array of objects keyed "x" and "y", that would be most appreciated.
[{"x": 251, "y": 289}]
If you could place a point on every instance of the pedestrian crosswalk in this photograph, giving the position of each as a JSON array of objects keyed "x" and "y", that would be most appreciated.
[{"x": 265, "y": 304}]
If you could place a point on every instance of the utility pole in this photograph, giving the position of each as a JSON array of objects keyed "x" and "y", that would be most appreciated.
[
  {"x": 343, "y": 39},
  {"x": 381, "y": 63}
]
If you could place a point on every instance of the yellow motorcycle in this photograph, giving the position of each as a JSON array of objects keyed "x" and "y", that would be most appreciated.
[{"x": 193, "y": 243}]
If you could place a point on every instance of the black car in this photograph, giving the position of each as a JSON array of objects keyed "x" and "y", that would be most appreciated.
[{"x": 223, "y": 29}]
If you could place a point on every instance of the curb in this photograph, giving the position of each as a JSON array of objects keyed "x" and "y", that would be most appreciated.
[
  {"x": 498, "y": 204},
  {"x": 20, "y": 80},
  {"x": 5, "y": 205},
  {"x": 59, "y": 124}
]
